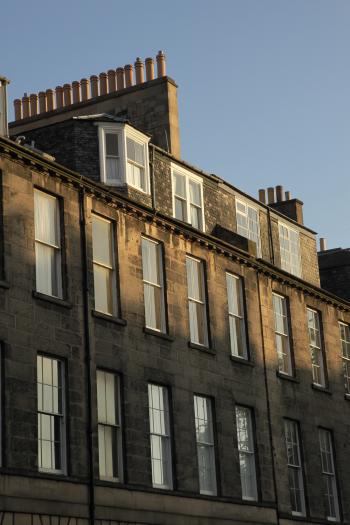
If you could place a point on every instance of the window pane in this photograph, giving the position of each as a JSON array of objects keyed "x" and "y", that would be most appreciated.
[
  {"x": 112, "y": 169},
  {"x": 180, "y": 185},
  {"x": 330, "y": 494},
  {"x": 109, "y": 436},
  {"x": 246, "y": 453},
  {"x": 103, "y": 289},
  {"x": 295, "y": 474},
  {"x": 50, "y": 414},
  {"x": 316, "y": 350},
  {"x": 180, "y": 209},
  {"x": 195, "y": 193},
  {"x": 248, "y": 224},
  {"x": 282, "y": 334},
  {"x": 289, "y": 250},
  {"x": 102, "y": 241},
  {"x": 152, "y": 267},
  {"x": 160, "y": 436},
  {"x": 135, "y": 151},
  {"x": 236, "y": 316},
  {"x": 46, "y": 218},
  {"x": 205, "y": 445},
  {"x": 112, "y": 149}
]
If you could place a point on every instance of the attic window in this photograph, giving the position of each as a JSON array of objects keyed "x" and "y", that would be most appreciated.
[{"x": 123, "y": 156}]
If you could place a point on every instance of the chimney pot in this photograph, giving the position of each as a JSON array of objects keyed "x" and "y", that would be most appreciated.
[
  {"x": 103, "y": 83},
  {"x": 128, "y": 75},
  {"x": 262, "y": 196},
  {"x": 271, "y": 195},
  {"x": 120, "y": 78},
  {"x": 112, "y": 86},
  {"x": 67, "y": 94},
  {"x": 288, "y": 195},
  {"x": 139, "y": 71},
  {"x": 161, "y": 68},
  {"x": 42, "y": 102},
  {"x": 84, "y": 88},
  {"x": 323, "y": 244},
  {"x": 18, "y": 108},
  {"x": 94, "y": 86},
  {"x": 25, "y": 105},
  {"x": 149, "y": 69},
  {"x": 76, "y": 91},
  {"x": 33, "y": 104},
  {"x": 59, "y": 97},
  {"x": 279, "y": 193},
  {"x": 49, "y": 100}
]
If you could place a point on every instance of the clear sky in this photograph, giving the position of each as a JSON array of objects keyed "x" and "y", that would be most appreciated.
[{"x": 264, "y": 85}]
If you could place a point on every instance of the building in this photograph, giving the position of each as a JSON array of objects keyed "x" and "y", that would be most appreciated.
[{"x": 168, "y": 354}]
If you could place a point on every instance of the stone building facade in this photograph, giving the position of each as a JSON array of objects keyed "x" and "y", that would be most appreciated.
[{"x": 273, "y": 447}]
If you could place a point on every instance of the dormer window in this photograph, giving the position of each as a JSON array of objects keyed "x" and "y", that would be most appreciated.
[
  {"x": 188, "y": 197},
  {"x": 123, "y": 156},
  {"x": 248, "y": 224}
]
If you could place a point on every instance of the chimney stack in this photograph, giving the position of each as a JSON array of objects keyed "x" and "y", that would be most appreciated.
[
  {"x": 3, "y": 107},
  {"x": 262, "y": 196},
  {"x": 270, "y": 195},
  {"x": 323, "y": 244},
  {"x": 84, "y": 86},
  {"x": 112, "y": 86},
  {"x": 149, "y": 69},
  {"x": 139, "y": 73},
  {"x": 279, "y": 193},
  {"x": 120, "y": 78},
  {"x": 76, "y": 91},
  {"x": 18, "y": 108},
  {"x": 161, "y": 69},
  {"x": 80, "y": 91},
  {"x": 103, "y": 83},
  {"x": 128, "y": 71},
  {"x": 49, "y": 100},
  {"x": 59, "y": 97}
]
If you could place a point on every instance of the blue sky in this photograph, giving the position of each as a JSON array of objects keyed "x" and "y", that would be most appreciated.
[{"x": 264, "y": 85}]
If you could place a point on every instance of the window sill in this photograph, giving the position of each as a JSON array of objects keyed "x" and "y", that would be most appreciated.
[
  {"x": 287, "y": 377},
  {"x": 347, "y": 397},
  {"x": 110, "y": 318},
  {"x": 202, "y": 348},
  {"x": 4, "y": 284},
  {"x": 241, "y": 361},
  {"x": 321, "y": 389},
  {"x": 51, "y": 299},
  {"x": 161, "y": 335}
]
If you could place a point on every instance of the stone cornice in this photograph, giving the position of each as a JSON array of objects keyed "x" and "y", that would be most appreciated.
[{"x": 14, "y": 151}]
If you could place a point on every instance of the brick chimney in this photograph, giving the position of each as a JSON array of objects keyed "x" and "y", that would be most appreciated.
[
  {"x": 281, "y": 201},
  {"x": 149, "y": 104}
]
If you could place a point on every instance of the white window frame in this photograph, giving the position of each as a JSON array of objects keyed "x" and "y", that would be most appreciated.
[
  {"x": 328, "y": 473},
  {"x": 111, "y": 268},
  {"x": 247, "y": 453},
  {"x": 117, "y": 426},
  {"x": 57, "y": 248},
  {"x": 123, "y": 131},
  {"x": 286, "y": 262},
  {"x": 316, "y": 350},
  {"x": 249, "y": 231},
  {"x": 61, "y": 416},
  {"x": 208, "y": 445},
  {"x": 345, "y": 354},
  {"x": 202, "y": 302},
  {"x": 160, "y": 285},
  {"x": 283, "y": 336},
  {"x": 294, "y": 464},
  {"x": 163, "y": 435},
  {"x": 175, "y": 168},
  {"x": 237, "y": 317}
]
